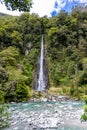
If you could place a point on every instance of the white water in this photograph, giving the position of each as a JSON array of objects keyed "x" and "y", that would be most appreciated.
[{"x": 41, "y": 84}]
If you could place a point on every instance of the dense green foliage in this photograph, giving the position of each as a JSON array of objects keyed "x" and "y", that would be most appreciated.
[
  {"x": 84, "y": 115},
  {"x": 4, "y": 116},
  {"x": 19, "y": 49},
  {"x": 21, "y": 5},
  {"x": 66, "y": 51}
]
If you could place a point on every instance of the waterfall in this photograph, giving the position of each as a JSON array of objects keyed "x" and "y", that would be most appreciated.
[
  {"x": 41, "y": 78},
  {"x": 41, "y": 84}
]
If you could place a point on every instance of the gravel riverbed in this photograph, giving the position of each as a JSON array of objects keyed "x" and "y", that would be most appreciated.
[{"x": 40, "y": 114}]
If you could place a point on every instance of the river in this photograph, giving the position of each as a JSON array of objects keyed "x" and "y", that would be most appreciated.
[{"x": 63, "y": 115}]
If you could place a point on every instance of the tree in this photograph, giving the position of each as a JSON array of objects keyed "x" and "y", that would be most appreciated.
[
  {"x": 21, "y": 5},
  {"x": 52, "y": 33},
  {"x": 16, "y": 39},
  {"x": 61, "y": 18},
  {"x": 2, "y": 37}
]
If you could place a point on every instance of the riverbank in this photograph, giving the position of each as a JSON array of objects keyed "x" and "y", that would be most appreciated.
[{"x": 48, "y": 97}]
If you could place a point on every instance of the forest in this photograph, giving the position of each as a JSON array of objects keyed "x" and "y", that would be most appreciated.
[{"x": 65, "y": 48}]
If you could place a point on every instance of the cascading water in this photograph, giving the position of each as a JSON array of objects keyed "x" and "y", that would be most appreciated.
[
  {"x": 41, "y": 80},
  {"x": 41, "y": 85}
]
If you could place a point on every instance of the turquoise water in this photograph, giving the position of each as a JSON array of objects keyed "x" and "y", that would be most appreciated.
[{"x": 47, "y": 116}]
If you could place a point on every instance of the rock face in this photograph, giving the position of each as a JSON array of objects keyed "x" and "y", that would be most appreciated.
[{"x": 45, "y": 71}]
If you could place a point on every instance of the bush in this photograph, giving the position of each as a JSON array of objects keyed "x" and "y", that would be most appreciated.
[
  {"x": 3, "y": 76},
  {"x": 85, "y": 108},
  {"x": 2, "y": 96},
  {"x": 72, "y": 90},
  {"x": 85, "y": 99},
  {"x": 84, "y": 117},
  {"x": 4, "y": 116},
  {"x": 65, "y": 90},
  {"x": 82, "y": 78},
  {"x": 22, "y": 91},
  {"x": 27, "y": 71}
]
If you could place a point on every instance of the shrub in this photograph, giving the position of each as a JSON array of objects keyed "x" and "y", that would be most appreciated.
[
  {"x": 82, "y": 78},
  {"x": 72, "y": 90},
  {"x": 2, "y": 96},
  {"x": 4, "y": 116},
  {"x": 22, "y": 91},
  {"x": 84, "y": 117},
  {"x": 85, "y": 108},
  {"x": 65, "y": 90},
  {"x": 85, "y": 99},
  {"x": 27, "y": 70}
]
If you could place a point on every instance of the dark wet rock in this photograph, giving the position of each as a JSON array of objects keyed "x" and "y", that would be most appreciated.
[
  {"x": 30, "y": 123},
  {"x": 34, "y": 128}
]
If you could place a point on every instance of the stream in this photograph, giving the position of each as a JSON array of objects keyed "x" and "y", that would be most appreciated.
[{"x": 63, "y": 115}]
